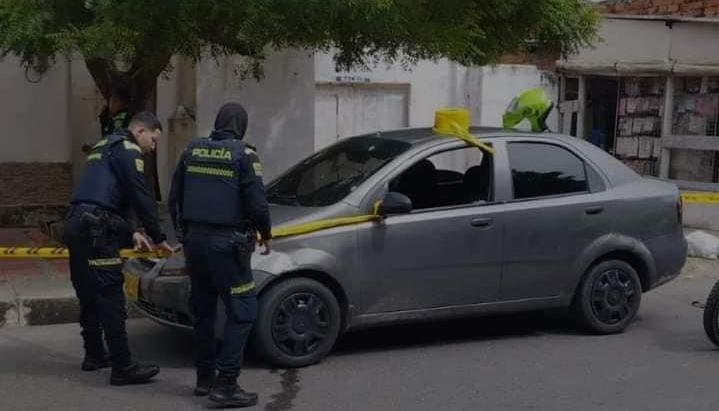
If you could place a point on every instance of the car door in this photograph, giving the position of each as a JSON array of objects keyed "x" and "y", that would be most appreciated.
[
  {"x": 557, "y": 208},
  {"x": 434, "y": 256}
]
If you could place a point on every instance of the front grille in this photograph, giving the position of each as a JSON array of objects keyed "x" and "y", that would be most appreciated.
[{"x": 165, "y": 314}]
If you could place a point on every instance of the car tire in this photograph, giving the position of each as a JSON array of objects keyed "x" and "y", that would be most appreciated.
[
  {"x": 608, "y": 297},
  {"x": 298, "y": 323},
  {"x": 711, "y": 315}
]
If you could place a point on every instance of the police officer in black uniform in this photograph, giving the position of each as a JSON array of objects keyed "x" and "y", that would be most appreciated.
[
  {"x": 116, "y": 115},
  {"x": 218, "y": 206},
  {"x": 96, "y": 228}
]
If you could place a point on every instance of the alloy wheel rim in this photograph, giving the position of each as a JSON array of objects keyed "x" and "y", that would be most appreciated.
[{"x": 301, "y": 324}]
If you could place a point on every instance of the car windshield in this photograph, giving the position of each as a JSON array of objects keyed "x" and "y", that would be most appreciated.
[{"x": 331, "y": 174}]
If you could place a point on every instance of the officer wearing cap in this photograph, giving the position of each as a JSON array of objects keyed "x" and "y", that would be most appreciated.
[
  {"x": 96, "y": 228},
  {"x": 218, "y": 206}
]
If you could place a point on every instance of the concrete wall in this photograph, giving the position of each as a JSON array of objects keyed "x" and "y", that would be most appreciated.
[
  {"x": 485, "y": 91},
  {"x": 695, "y": 43},
  {"x": 500, "y": 84},
  {"x": 36, "y": 139},
  {"x": 653, "y": 41},
  {"x": 432, "y": 84},
  {"x": 34, "y": 116},
  {"x": 84, "y": 103},
  {"x": 629, "y": 40},
  {"x": 280, "y": 107}
]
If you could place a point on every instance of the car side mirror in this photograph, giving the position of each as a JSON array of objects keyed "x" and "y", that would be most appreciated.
[{"x": 395, "y": 203}]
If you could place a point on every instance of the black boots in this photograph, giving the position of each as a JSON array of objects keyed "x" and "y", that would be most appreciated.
[
  {"x": 134, "y": 373},
  {"x": 205, "y": 381},
  {"x": 94, "y": 363},
  {"x": 227, "y": 393}
]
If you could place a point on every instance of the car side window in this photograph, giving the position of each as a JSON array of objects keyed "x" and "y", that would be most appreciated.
[
  {"x": 543, "y": 170},
  {"x": 449, "y": 178}
]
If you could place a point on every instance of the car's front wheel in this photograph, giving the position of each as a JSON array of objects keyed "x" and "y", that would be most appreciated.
[
  {"x": 298, "y": 323},
  {"x": 608, "y": 297}
]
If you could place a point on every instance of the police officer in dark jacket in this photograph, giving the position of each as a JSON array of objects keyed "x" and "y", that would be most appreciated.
[
  {"x": 218, "y": 206},
  {"x": 116, "y": 115},
  {"x": 96, "y": 228}
]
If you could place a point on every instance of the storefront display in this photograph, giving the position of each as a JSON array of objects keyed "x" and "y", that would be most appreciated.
[{"x": 639, "y": 122}]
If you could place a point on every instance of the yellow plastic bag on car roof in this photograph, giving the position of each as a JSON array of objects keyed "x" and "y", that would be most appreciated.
[{"x": 454, "y": 122}]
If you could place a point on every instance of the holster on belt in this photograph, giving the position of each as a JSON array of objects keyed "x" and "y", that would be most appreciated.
[
  {"x": 101, "y": 223},
  {"x": 245, "y": 241}
]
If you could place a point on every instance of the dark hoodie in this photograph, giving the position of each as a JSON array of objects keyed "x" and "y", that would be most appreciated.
[{"x": 231, "y": 122}]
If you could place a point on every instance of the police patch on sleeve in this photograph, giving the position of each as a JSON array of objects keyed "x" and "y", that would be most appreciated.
[
  {"x": 139, "y": 165},
  {"x": 258, "y": 169},
  {"x": 131, "y": 146}
]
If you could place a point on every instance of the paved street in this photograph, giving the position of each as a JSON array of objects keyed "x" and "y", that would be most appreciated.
[{"x": 525, "y": 362}]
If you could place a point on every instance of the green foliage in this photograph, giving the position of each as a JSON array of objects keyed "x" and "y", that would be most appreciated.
[{"x": 135, "y": 39}]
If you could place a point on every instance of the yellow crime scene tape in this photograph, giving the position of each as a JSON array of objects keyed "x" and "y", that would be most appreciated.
[
  {"x": 450, "y": 122},
  {"x": 62, "y": 253},
  {"x": 700, "y": 197}
]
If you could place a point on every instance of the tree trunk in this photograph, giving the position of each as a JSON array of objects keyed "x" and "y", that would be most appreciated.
[{"x": 142, "y": 87}]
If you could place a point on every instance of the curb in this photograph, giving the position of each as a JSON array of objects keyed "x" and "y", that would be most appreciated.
[{"x": 44, "y": 311}]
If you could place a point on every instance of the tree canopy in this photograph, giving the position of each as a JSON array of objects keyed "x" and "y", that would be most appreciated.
[{"x": 134, "y": 40}]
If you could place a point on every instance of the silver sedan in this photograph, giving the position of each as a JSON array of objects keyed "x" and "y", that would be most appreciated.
[{"x": 547, "y": 221}]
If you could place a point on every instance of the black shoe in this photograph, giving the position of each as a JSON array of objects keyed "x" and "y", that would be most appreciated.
[
  {"x": 95, "y": 363},
  {"x": 133, "y": 374},
  {"x": 205, "y": 380},
  {"x": 228, "y": 394}
]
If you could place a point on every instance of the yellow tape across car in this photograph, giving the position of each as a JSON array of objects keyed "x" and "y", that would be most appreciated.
[{"x": 450, "y": 122}]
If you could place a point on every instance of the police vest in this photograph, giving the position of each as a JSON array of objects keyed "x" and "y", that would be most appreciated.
[
  {"x": 98, "y": 184},
  {"x": 211, "y": 192}
]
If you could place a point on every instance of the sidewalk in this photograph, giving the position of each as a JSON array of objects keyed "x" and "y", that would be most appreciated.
[{"x": 33, "y": 291}]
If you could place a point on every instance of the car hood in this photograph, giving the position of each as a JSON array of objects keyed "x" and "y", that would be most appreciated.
[{"x": 282, "y": 215}]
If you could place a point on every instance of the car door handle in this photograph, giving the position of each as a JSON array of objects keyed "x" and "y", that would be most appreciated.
[
  {"x": 593, "y": 210},
  {"x": 481, "y": 222}
]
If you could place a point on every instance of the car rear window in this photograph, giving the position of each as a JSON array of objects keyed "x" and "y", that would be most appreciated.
[{"x": 543, "y": 170}]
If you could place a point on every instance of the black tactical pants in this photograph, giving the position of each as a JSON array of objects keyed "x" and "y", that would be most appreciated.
[
  {"x": 219, "y": 265},
  {"x": 95, "y": 270}
]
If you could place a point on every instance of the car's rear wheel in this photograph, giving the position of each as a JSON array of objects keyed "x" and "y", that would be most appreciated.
[
  {"x": 298, "y": 323},
  {"x": 711, "y": 315},
  {"x": 608, "y": 297}
]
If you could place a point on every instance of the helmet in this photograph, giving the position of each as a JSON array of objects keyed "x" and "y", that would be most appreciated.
[{"x": 533, "y": 105}]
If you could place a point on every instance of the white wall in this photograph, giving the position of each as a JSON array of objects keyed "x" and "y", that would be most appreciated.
[
  {"x": 280, "y": 107},
  {"x": 695, "y": 43},
  {"x": 485, "y": 91},
  {"x": 432, "y": 84},
  {"x": 34, "y": 116},
  {"x": 648, "y": 41},
  {"x": 85, "y": 104}
]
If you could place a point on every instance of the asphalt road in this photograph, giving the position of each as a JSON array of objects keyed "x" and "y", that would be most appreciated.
[{"x": 521, "y": 362}]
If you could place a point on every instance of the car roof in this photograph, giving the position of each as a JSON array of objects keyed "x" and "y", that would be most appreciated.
[{"x": 425, "y": 135}]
